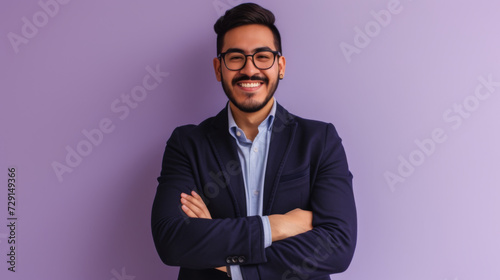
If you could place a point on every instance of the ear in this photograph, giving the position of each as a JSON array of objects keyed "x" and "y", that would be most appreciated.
[
  {"x": 217, "y": 69},
  {"x": 281, "y": 66}
]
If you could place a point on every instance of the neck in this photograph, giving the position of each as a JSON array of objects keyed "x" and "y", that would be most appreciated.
[{"x": 249, "y": 122}]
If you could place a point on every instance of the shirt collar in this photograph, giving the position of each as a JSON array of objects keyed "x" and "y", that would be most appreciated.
[{"x": 267, "y": 123}]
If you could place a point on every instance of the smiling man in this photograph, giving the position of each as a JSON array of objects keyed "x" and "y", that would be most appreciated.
[{"x": 254, "y": 192}]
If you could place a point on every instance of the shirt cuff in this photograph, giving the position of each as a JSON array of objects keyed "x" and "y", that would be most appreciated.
[
  {"x": 268, "y": 237},
  {"x": 236, "y": 272}
]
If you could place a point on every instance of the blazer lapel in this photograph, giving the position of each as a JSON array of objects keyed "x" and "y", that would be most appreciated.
[
  {"x": 225, "y": 151},
  {"x": 283, "y": 133}
]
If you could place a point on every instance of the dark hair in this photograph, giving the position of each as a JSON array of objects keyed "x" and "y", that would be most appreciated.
[{"x": 244, "y": 14}]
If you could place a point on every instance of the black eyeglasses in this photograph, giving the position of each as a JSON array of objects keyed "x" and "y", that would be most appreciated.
[{"x": 262, "y": 60}]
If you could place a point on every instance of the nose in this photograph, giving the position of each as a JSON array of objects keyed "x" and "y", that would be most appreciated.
[{"x": 249, "y": 69}]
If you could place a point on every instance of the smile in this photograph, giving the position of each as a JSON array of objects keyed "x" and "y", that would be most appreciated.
[{"x": 249, "y": 85}]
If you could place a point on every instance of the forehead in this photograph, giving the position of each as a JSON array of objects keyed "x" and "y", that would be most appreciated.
[{"x": 248, "y": 38}]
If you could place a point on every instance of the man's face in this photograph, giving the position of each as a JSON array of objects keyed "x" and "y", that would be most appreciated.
[{"x": 249, "y": 89}]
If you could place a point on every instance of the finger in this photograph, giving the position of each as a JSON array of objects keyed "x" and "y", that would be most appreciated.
[
  {"x": 188, "y": 212},
  {"x": 188, "y": 209},
  {"x": 192, "y": 207},
  {"x": 193, "y": 201},
  {"x": 201, "y": 204},
  {"x": 196, "y": 200},
  {"x": 195, "y": 195},
  {"x": 222, "y": 268}
]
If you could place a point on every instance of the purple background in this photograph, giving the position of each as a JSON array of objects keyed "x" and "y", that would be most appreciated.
[{"x": 441, "y": 222}]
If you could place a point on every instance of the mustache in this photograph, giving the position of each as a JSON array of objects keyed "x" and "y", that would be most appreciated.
[{"x": 247, "y": 78}]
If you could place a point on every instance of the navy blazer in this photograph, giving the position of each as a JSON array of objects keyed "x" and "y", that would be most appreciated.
[{"x": 306, "y": 168}]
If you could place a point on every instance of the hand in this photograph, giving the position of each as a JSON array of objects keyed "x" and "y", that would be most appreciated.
[
  {"x": 290, "y": 224},
  {"x": 193, "y": 206},
  {"x": 222, "y": 268}
]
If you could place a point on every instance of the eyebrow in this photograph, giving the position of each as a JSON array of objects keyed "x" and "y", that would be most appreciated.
[{"x": 254, "y": 50}]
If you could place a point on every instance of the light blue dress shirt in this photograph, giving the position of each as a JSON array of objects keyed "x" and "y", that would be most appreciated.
[{"x": 253, "y": 159}]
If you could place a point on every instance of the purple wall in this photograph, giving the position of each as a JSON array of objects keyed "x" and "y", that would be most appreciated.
[{"x": 413, "y": 88}]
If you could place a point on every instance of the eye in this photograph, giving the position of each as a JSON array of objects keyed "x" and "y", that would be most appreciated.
[
  {"x": 234, "y": 57},
  {"x": 263, "y": 56}
]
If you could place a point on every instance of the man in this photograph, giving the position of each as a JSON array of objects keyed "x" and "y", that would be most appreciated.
[{"x": 254, "y": 192}]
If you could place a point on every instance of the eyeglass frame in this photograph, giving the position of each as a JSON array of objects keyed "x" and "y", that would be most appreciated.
[{"x": 222, "y": 56}]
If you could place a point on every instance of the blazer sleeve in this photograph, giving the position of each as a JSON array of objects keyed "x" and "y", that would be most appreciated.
[
  {"x": 329, "y": 247},
  {"x": 193, "y": 242}
]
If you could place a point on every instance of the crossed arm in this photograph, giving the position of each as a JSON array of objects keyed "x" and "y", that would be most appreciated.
[
  {"x": 283, "y": 226},
  {"x": 199, "y": 242}
]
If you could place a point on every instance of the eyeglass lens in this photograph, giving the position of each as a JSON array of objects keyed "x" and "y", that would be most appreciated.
[{"x": 262, "y": 60}]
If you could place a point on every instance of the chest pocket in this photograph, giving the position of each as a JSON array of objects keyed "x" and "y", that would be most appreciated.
[{"x": 293, "y": 191}]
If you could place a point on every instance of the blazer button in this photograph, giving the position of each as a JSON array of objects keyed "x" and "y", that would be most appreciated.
[
  {"x": 235, "y": 259},
  {"x": 241, "y": 259},
  {"x": 229, "y": 259}
]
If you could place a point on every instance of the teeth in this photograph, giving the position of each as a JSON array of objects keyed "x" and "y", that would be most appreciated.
[{"x": 249, "y": 85}]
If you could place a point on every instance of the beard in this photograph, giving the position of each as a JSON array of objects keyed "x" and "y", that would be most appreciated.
[{"x": 250, "y": 106}]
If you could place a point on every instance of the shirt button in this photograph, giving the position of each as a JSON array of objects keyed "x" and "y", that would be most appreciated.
[
  {"x": 255, "y": 149},
  {"x": 256, "y": 192},
  {"x": 238, "y": 133}
]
